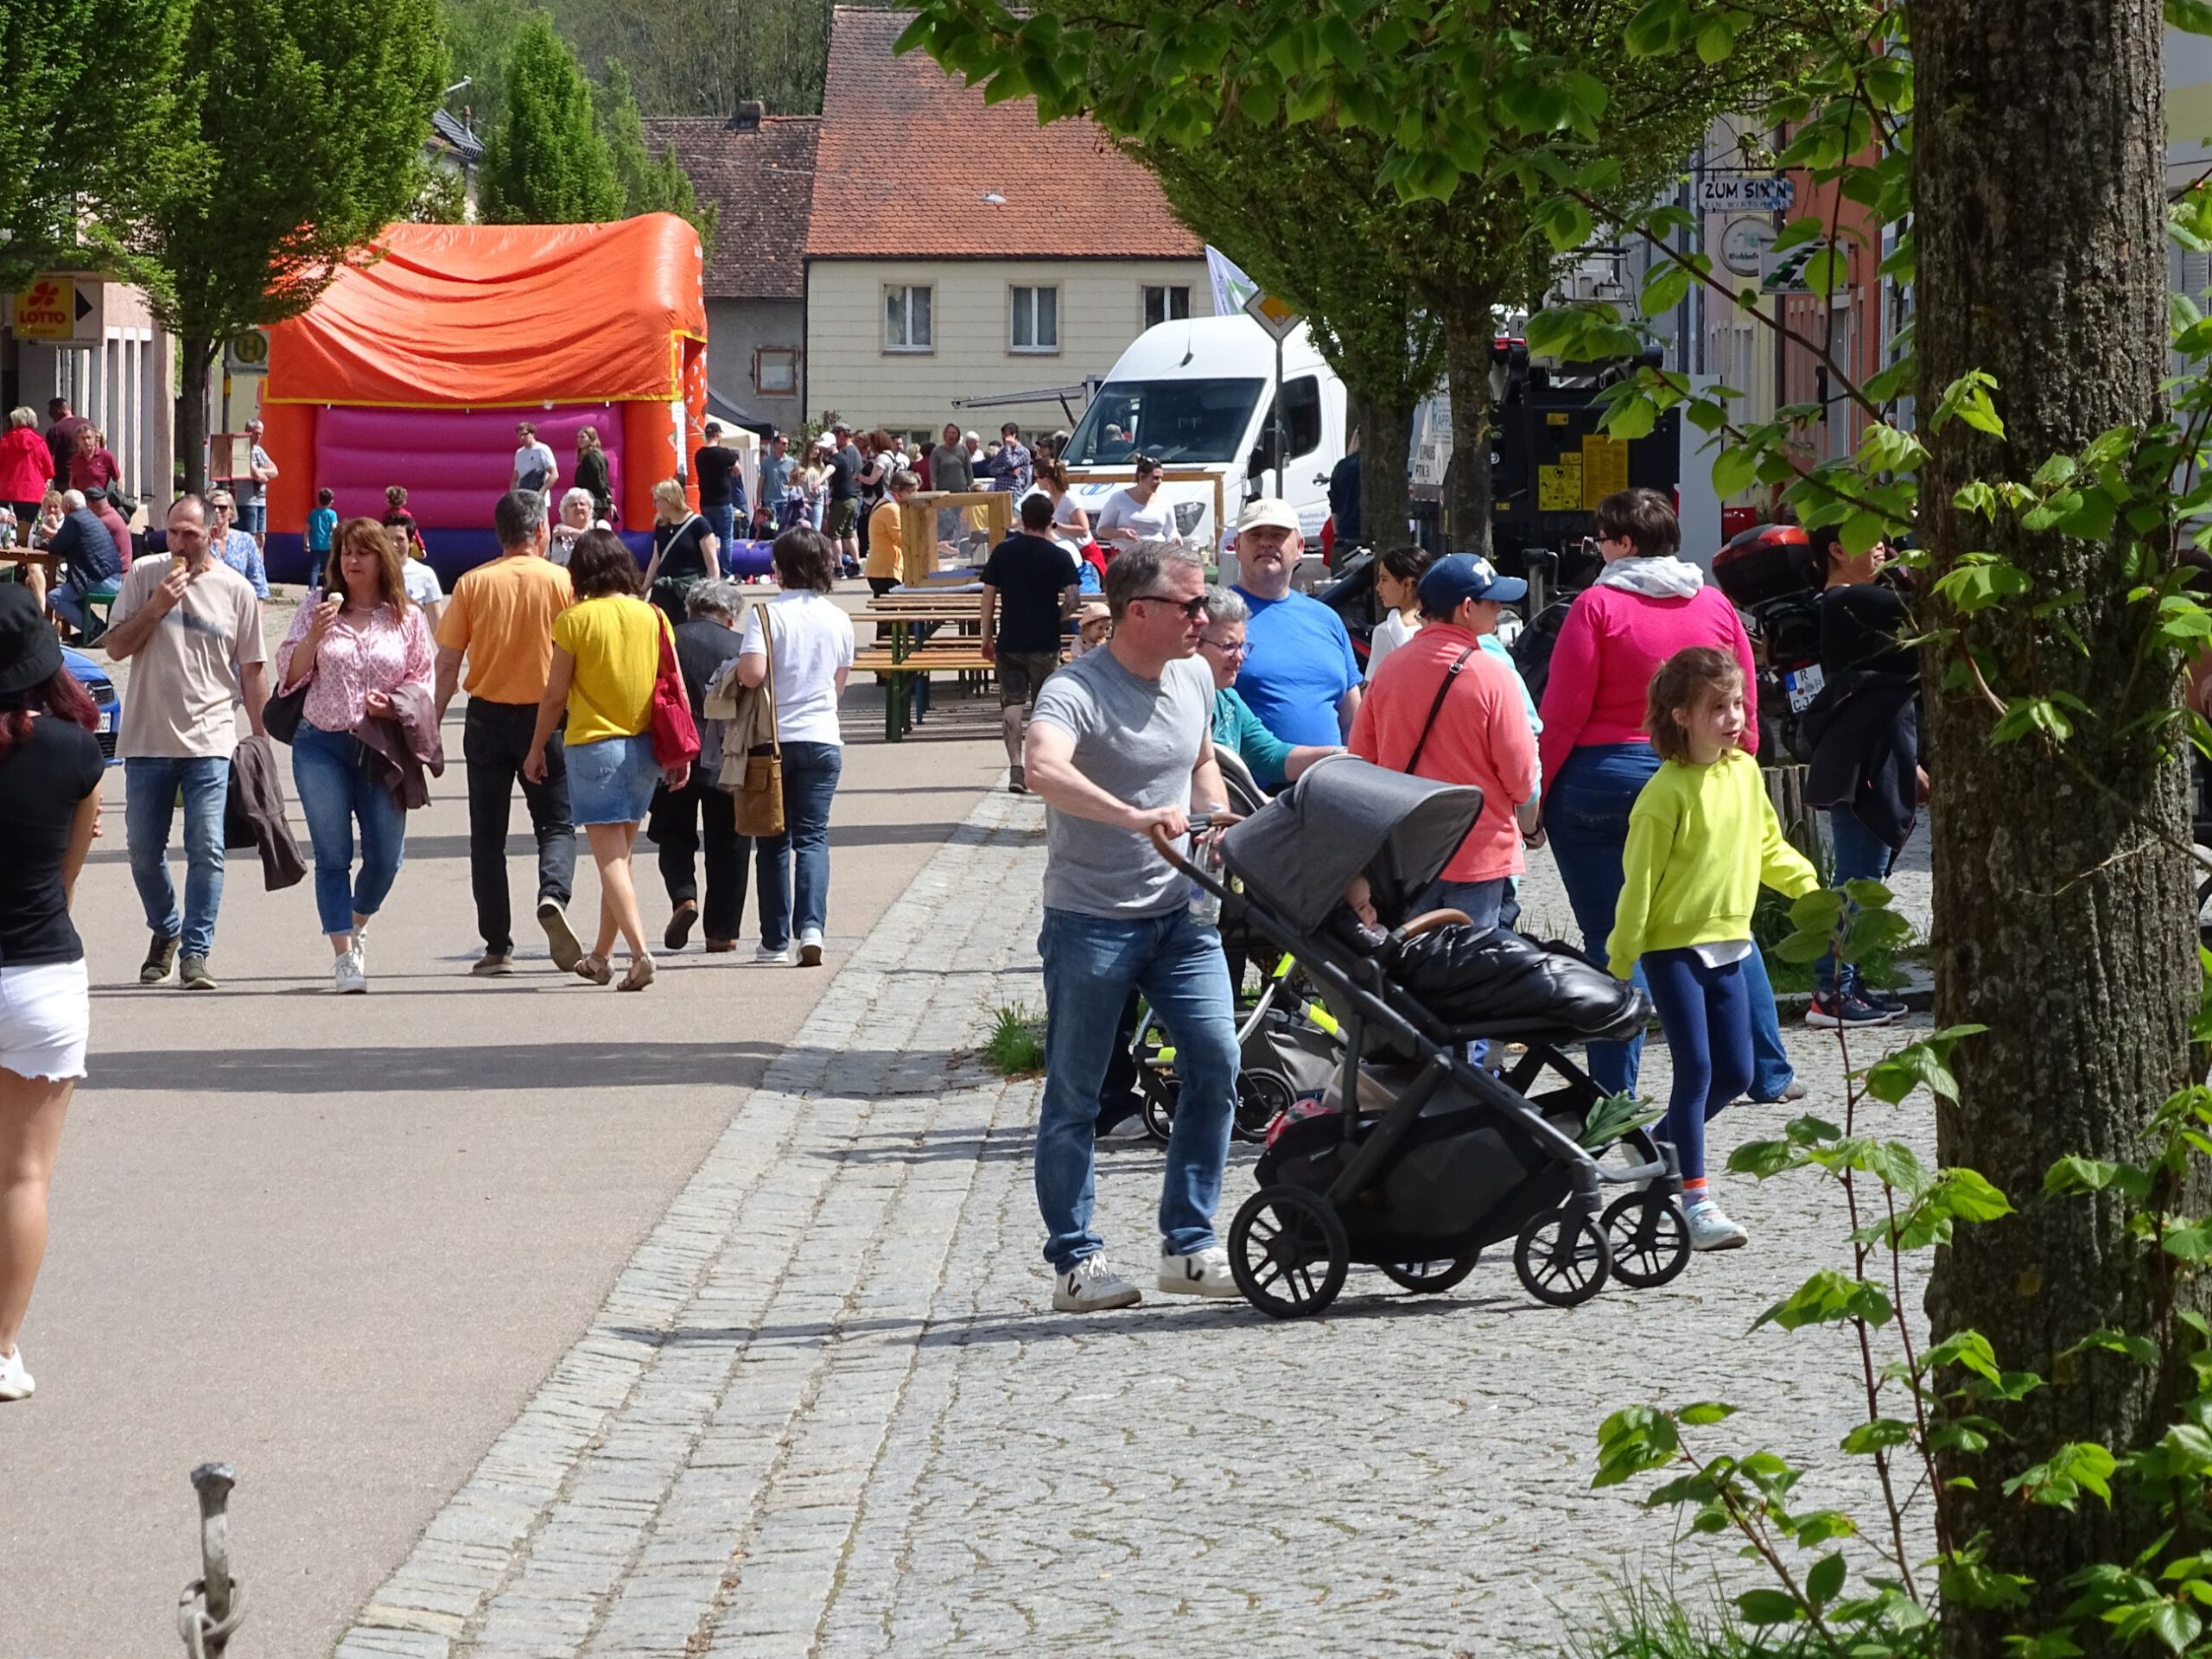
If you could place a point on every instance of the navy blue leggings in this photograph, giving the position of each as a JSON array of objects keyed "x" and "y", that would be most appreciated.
[{"x": 1706, "y": 1014}]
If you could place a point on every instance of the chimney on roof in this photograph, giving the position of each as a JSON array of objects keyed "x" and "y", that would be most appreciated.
[{"x": 748, "y": 117}]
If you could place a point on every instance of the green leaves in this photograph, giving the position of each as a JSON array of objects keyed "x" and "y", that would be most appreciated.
[
  {"x": 1828, "y": 1298},
  {"x": 1968, "y": 398},
  {"x": 2059, "y": 1481},
  {"x": 1632, "y": 1441},
  {"x": 1924, "y": 1064}
]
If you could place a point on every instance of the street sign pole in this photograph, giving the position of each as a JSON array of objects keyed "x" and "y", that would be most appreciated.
[{"x": 1278, "y": 318}]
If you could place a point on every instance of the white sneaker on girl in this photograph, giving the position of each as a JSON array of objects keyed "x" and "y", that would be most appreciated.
[{"x": 1711, "y": 1230}]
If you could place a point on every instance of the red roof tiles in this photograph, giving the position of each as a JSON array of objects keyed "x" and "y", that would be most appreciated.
[
  {"x": 910, "y": 158},
  {"x": 762, "y": 181}
]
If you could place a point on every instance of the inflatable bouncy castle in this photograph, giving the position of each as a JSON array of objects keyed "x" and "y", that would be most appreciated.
[{"x": 415, "y": 369}]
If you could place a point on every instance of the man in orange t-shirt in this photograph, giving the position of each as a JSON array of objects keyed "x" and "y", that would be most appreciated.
[{"x": 1441, "y": 707}]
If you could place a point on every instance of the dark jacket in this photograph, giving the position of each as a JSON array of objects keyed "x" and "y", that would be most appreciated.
[
  {"x": 1343, "y": 499},
  {"x": 254, "y": 814},
  {"x": 83, "y": 543},
  {"x": 1863, "y": 731},
  {"x": 405, "y": 751}
]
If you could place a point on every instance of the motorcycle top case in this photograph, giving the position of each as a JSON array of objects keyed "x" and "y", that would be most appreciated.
[{"x": 1764, "y": 564}]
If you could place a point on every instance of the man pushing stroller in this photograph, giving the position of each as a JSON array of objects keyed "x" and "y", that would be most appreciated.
[{"x": 1118, "y": 744}]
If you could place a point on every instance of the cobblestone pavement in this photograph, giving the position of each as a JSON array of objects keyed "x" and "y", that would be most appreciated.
[{"x": 827, "y": 1409}]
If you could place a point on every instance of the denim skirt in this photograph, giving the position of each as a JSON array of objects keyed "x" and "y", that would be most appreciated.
[{"x": 611, "y": 781}]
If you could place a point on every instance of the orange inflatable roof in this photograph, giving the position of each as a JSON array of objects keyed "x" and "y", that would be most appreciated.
[{"x": 481, "y": 315}]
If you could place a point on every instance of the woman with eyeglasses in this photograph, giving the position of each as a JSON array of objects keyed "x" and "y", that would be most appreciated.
[
  {"x": 1237, "y": 730},
  {"x": 1134, "y": 514}
]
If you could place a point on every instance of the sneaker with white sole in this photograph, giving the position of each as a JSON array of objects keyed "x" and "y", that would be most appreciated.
[
  {"x": 16, "y": 1382},
  {"x": 1091, "y": 1286},
  {"x": 771, "y": 953},
  {"x": 1202, "y": 1273},
  {"x": 349, "y": 972},
  {"x": 809, "y": 948},
  {"x": 1711, "y": 1230},
  {"x": 560, "y": 938},
  {"x": 1844, "y": 1009}
]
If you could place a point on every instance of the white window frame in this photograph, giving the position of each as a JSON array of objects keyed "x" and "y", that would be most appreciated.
[
  {"x": 1166, "y": 303},
  {"x": 785, "y": 356},
  {"x": 908, "y": 348},
  {"x": 1014, "y": 310}
]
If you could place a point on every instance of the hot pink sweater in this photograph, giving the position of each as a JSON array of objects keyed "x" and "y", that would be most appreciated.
[{"x": 1612, "y": 644}]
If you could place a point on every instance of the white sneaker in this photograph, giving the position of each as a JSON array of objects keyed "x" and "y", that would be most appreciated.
[
  {"x": 1711, "y": 1230},
  {"x": 809, "y": 948},
  {"x": 1202, "y": 1273},
  {"x": 1089, "y": 1286},
  {"x": 766, "y": 953},
  {"x": 349, "y": 972},
  {"x": 16, "y": 1382}
]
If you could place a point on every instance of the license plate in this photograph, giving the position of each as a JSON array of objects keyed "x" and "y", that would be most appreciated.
[
  {"x": 1803, "y": 686},
  {"x": 107, "y": 719}
]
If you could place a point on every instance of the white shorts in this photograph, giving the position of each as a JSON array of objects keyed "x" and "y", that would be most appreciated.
[{"x": 46, "y": 1012}]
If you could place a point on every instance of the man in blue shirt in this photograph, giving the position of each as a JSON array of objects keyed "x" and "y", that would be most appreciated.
[{"x": 1300, "y": 677}]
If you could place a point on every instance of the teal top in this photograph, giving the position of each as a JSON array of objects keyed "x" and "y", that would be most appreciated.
[{"x": 1237, "y": 730}]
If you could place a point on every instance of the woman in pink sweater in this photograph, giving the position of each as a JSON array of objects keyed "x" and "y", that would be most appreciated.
[{"x": 1647, "y": 604}]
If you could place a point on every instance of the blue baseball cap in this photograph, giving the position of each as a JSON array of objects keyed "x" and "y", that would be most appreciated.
[{"x": 1458, "y": 577}]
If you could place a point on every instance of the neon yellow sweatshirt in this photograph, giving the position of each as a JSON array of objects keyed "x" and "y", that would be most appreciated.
[{"x": 1701, "y": 840}]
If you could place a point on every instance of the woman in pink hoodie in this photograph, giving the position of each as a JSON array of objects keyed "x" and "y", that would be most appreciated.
[{"x": 1647, "y": 604}]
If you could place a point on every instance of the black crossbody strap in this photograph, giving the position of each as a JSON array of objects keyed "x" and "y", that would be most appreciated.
[{"x": 1451, "y": 675}]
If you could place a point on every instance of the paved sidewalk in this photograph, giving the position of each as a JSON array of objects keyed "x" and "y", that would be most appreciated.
[{"x": 827, "y": 1410}]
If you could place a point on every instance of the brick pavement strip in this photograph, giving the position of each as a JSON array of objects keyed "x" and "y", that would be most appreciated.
[{"x": 827, "y": 1410}]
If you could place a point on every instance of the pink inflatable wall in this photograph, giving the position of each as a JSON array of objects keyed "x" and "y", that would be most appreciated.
[{"x": 455, "y": 464}]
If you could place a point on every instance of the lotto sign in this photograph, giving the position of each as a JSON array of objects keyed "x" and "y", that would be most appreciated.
[{"x": 52, "y": 307}]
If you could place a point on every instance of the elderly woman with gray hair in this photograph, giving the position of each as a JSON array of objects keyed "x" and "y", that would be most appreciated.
[
  {"x": 1236, "y": 730},
  {"x": 704, "y": 641}
]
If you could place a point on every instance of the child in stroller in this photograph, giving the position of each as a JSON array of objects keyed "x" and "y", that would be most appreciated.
[{"x": 1451, "y": 1159}]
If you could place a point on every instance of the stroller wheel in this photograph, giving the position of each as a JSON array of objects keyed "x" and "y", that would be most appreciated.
[
  {"x": 1649, "y": 1236},
  {"x": 1158, "y": 1094},
  {"x": 1431, "y": 1277},
  {"x": 1562, "y": 1257},
  {"x": 1261, "y": 1097},
  {"x": 1289, "y": 1250}
]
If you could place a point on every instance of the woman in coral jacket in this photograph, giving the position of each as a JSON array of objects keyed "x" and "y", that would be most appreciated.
[{"x": 26, "y": 469}]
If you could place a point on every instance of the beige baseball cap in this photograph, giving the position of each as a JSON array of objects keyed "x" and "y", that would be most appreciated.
[{"x": 1266, "y": 512}]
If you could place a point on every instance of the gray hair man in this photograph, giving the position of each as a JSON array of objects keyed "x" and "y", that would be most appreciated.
[
  {"x": 1301, "y": 678},
  {"x": 1119, "y": 749},
  {"x": 254, "y": 489}
]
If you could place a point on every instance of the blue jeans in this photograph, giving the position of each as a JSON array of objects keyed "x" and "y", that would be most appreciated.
[
  {"x": 1706, "y": 1016},
  {"x": 1585, "y": 815},
  {"x": 792, "y": 870},
  {"x": 1861, "y": 856},
  {"x": 1484, "y": 901},
  {"x": 1091, "y": 964},
  {"x": 253, "y": 519},
  {"x": 723, "y": 520},
  {"x": 337, "y": 789},
  {"x": 151, "y": 786}
]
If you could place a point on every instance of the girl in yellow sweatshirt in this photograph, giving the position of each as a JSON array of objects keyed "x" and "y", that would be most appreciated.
[{"x": 1701, "y": 838}]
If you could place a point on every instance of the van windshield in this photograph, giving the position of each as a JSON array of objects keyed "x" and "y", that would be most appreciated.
[{"x": 1178, "y": 422}]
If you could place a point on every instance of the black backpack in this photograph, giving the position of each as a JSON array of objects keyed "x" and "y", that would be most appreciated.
[{"x": 1532, "y": 651}]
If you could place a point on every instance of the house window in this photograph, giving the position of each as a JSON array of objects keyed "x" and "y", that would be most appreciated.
[
  {"x": 907, "y": 320},
  {"x": 775, "y": 371},
  {"x": 1036, "y": 320},
  {"x": 1165, "y": 304}
]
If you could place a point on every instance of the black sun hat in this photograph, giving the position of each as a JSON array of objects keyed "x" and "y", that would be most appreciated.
[{"x": 31, "y": 654}]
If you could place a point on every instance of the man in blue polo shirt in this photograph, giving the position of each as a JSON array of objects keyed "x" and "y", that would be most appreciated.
[{"x": 1299, "y": 676}]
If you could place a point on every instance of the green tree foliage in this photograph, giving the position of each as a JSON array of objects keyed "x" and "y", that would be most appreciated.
[
  {"x": 701, "y": 57},
  {"x": 546, "y": 161},
  {"x": 440, "y": 195},
  {"x": 481, "y": 36},
  {"x": 294, "y": 141},
  {"x": 84, "y": 130},
  {"x": 648, "y": 186}
]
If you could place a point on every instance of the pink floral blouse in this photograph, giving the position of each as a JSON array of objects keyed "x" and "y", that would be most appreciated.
[{"x": 353, "y": 662}]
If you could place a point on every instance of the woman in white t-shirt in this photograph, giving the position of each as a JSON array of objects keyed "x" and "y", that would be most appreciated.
[
  {"x": 1397, "y": 573},
  {"x": 1133, "y": 514},
  {"x": 810, "y": 646}
]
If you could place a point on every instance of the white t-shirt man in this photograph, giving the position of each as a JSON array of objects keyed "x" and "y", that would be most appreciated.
[
  {"x": 1150, "y": 521},
  {"x": 422, "y": 585},
  {"x": 534, "y": 467},
  {"x": 812, "y": 640}
]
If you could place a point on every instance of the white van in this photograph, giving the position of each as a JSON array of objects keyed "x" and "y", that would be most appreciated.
[{"x": 1197, "y": 395}]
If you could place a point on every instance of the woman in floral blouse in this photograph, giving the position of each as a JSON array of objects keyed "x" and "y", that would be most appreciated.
[{"x": 358, "y": 652}]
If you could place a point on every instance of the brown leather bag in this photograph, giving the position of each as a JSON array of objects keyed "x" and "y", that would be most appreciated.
[{"x": 760, "y": 797}]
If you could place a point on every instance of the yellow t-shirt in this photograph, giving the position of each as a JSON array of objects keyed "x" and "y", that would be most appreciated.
[
  {"x": 616, "y": 642},
  {"x": 502, "y": 615},
  {"x": 884, "y": 554}
]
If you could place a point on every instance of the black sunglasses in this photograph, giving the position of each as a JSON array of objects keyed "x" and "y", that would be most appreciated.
[{"x": 1192, "y": 609}]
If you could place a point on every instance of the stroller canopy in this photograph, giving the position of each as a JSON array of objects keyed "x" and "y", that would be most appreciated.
[{"x": 1343, "y": 818}]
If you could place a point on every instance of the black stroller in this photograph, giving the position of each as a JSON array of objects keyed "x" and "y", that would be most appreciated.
[{"x": 1428, "y": 1159}]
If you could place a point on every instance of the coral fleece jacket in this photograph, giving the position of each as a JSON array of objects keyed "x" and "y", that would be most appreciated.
[
  {"x": 1700, "y": 839},
  {"x": 1481, "y": 737},
  {"x": 1609, "y": 648}
]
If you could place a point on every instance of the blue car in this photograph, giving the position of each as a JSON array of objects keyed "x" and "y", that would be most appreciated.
[{"x": 94, "y": 679}]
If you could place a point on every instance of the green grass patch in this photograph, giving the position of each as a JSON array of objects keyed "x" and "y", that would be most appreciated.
[
  {"x": 1016, "y": 1047},
  {"x": 1641, "y": 1621}
]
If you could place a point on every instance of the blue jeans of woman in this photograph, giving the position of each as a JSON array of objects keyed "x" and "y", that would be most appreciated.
[
  {"x": 1706, "y": 1014},
  {"x": 1861, "y": 856},
  {"x": 1092, "y": 965},
  {"x": 337, "y": 792},
  {"x": 1585, "y": 815},
  {"x": 792, "y": 870}
]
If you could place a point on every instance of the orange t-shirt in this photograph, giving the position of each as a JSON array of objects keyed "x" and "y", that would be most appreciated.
[{"x": 501, "y": 615}]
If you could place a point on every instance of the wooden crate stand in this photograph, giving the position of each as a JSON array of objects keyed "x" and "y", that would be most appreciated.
[{"x": 918, "y": 527}]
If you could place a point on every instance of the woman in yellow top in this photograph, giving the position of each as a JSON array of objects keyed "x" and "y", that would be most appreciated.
[
  {"x": 885, "y": 547},
  {"x": 606, "y": 652},
  {"x": 1701, "y": 837}
]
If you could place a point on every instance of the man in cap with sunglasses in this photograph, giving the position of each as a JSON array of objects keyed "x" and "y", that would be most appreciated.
[
  {"x": 1119, "y": 747},
  {"x": 1300, "y": 677}
]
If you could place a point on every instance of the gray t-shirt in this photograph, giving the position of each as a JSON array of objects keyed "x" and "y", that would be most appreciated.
[{"x": 1135, "y": 739}]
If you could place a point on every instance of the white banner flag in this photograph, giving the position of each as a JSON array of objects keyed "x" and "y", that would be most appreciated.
[{"x": 1232, "y": 287}]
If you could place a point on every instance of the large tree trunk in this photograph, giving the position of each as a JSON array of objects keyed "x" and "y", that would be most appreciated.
[
  {"x": 1470, "y": 329},
  {"x": 2065, "y": 923},
  {"x": 195, "y": 364},
  {"x": 1386, "y": 448}
]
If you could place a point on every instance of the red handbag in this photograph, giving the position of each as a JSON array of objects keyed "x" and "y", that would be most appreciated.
[{"x": 676, "y": 735}]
